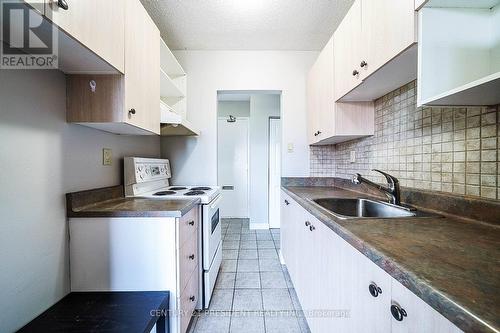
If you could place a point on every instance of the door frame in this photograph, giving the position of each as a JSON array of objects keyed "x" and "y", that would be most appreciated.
[
  {"x": 247, "y": 119},
  {"x": 271, "y": 118}
]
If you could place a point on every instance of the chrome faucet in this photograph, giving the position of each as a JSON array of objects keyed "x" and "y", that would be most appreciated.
[{"x": 392, "y": 191}]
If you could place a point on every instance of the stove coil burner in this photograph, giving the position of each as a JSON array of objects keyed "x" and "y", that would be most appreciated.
[
  {"x": 177, "y": 188},
  {"x": 197, "y": 192},
  {"x": 162, "y": 193},
  {"x": 201, "y": 189}
]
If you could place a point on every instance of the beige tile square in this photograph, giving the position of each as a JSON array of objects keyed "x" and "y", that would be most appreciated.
[
  {"x": 473, "y": 190},
  {"x": 489, "y": 180},
  {"x": 472, "y": 179},
  {"x": 489, "y": 192},
  {"x": 489, "y": 155}
]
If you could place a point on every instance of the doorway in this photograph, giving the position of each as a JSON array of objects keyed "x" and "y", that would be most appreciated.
[
  {"x": 249, "y": 156},
  {"x": 232, "y": 171}
]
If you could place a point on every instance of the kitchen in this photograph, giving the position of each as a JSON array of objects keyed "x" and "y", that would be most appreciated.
[{"x": 410, "y": 88}]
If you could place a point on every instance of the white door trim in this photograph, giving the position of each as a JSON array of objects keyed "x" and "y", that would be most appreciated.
[{"x": 273, "y": 159}]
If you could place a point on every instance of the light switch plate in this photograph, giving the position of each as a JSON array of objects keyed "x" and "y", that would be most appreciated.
[
  {"x": 352, "y": 158},
  {"x": 107, "y": 156},
  {"x": 290, "y": 148}
]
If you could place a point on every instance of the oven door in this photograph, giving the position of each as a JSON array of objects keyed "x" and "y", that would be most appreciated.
[{"x": 212, "y": 234}]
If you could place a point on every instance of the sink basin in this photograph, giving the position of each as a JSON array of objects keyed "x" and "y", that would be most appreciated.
[{"x": 364, "y": 208}]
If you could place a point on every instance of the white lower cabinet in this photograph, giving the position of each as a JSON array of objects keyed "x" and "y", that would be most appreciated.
[{"x": 340, "y": 289}]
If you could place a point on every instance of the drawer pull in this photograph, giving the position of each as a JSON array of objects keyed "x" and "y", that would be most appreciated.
[
  {"x": 62, "y": 4},
  {"x": 191, "y": 222},
  {"x": 312, "y": 228},
  {"x": 374, "y": 290},
  {"x": 398, "y": 312},
  {"x": 286, "y": 202},
  {"x": 307, "y": 223},
  {"x": 191, "y": 257},
  {"x": 355, "y": 72},
  {"x": 192, "y": 298}
]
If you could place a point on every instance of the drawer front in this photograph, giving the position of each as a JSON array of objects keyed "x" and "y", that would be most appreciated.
[
  {"x": 188, "y": 300},
  {"x": 188, "y": 224},
  {"x": 188, "y": 260}
]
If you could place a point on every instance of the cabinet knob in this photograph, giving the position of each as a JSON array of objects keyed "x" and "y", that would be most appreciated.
[
  {"x": 398, "y": 312},
  {"x": 192, "y": 298},
  {"x": 374, "y": 290},
  {"x": 286, "y": 202},
  {"x": 355, "y": 72},
  {"x": 191, "y": 222},
  {"x": 312, "y": 228},
  {"x": 131, "y": 111},
  {"x": 307, "y": 223},
  {"x": 191, "y": 257},
  {"x": 62, "y": 4},
  {"x": 363, "y": 64}
]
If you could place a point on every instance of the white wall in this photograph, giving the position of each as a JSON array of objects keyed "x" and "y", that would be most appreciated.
[
  {"x": 234, "y": 108},
  {"x": 261, "y": 108},
  {"x": 42, "y": 158},
  {"x": 194, "y": 160}
]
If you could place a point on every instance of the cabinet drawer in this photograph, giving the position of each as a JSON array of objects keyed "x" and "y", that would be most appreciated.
[
  {"x": 188, "y": 224},
  {"x": 188, "y": 260},
  {"x": 188, "y": 300}
]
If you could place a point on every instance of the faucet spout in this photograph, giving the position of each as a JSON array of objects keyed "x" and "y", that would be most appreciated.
[{"x": 392, "y": 190}]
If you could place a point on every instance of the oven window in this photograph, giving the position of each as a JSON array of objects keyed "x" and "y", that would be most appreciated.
[{"x": 215, "y": 220}]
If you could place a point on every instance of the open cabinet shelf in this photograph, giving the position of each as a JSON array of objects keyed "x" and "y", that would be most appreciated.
[{"x": 459, "y": 53}]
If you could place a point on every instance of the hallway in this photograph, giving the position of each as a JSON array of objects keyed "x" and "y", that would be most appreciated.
[{"x": 253, "y": 292}]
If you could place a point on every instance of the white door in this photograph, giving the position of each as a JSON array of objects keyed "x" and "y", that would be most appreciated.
[
  {"x": 274, "y": 171},
  {"x": 232, "y": 170}
]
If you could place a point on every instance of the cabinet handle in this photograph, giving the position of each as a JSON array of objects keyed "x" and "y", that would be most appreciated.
[
  {"x": 312, "y": 228},
  {"x": 192, "y": 298},
  {"x": 286, "y": 202},
  {"x": 398, "y": 312},
  {"x": 307, "y": 223},
  {"x": 317, "y": 133},
  {"x": 355, "y": 72},
  {"x": 363, "y": 64},
  {"x": 131, "y": 111},
  {"x": 191, "y": 222},
  {"x": 62, "y": 4},
  {"x": 191, "y": 257},
  {"x": 374, "y": 290}
]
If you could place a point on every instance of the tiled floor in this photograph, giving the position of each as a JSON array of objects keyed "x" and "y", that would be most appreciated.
[{"x": 253, "y": 292}]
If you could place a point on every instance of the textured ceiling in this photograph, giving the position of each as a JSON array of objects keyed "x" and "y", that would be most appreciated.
[{"x": 247, "y": 24}]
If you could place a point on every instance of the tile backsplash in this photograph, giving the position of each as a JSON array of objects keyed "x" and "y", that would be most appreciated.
[{"x": 449, "y": 149}]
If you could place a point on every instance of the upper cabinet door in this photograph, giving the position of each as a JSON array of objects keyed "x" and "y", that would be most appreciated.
[
  {"x": 347, "y": 52},
  {"x": 142, "y": 78},
  {"x": 388, "y": 28},
  {"x": 98, "y": 25}
]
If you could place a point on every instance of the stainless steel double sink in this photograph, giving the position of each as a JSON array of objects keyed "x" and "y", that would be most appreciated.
[{"x": 366, "y": 208}]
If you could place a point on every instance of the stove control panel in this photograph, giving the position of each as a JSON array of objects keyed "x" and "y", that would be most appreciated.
[{"x": 141, "y": 170}]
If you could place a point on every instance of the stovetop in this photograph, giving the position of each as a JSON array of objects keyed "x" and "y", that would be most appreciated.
[{"x": 205, "y": 193}]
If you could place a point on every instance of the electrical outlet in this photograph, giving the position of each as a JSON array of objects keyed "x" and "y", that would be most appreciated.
[
  {"x": 107, "y": 156},
  {"x": 290, "y": 148},
  {"x": 352, "y": 159}
]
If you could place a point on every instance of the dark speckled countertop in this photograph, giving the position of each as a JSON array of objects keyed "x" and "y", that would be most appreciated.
[
  {"x": 110, "y": 202},
  {"x": 453, "y": 264}
]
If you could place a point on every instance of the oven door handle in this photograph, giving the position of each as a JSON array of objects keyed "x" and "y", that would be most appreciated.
[{"x": 215, "y": 203}]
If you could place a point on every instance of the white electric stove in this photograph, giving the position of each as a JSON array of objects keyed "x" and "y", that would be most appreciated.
[{"x": 146, "y": 177}]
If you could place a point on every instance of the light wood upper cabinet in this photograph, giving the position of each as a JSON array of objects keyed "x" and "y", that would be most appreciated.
[
  {"x": 142, "y": 60},
  {"x": 330, "y": 122},
  {"x": 320, "y": 96},
  {"x": 388, "y": 28},
  {"x": 123, "y": 104},
  {"x": 98, "y": 25},
  {"x": 347, "y": 51},
  {"x": 374, "y": 49}
]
